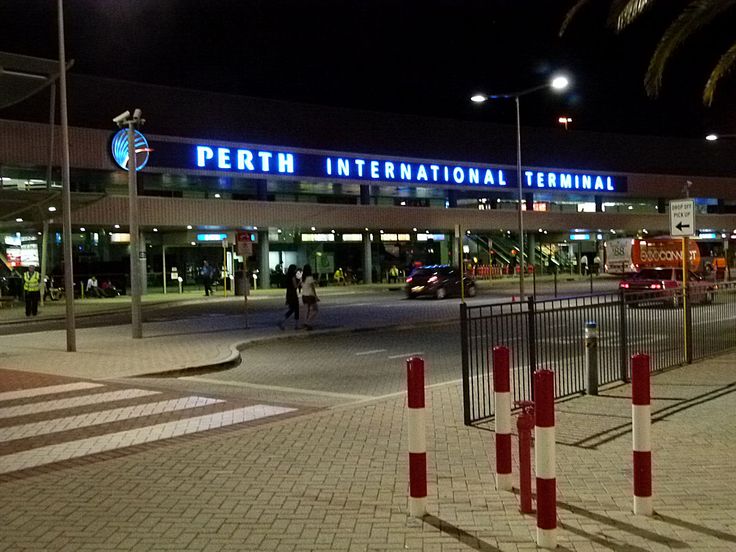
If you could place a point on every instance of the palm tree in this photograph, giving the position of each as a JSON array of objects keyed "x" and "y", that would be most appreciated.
[{"x": 696, "y": 15}]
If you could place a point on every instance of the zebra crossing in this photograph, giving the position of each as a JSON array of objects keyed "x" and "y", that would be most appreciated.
[{"x": 48, "y": 424}]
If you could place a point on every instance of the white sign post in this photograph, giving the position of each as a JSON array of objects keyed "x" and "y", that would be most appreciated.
[
  {"x": 682, "y": 224},
  {"x": 682, "y": 217}
]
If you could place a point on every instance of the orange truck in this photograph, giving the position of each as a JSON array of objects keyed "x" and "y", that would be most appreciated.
[{"x": 629, "y": 255}]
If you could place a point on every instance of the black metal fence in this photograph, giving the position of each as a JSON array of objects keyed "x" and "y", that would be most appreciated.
[{"x": 549, "y": 333}]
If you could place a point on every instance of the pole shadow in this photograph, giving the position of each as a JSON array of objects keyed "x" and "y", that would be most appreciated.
[
  {"x": 461, "y": 535},
  {"x": 696, "y": 528}
]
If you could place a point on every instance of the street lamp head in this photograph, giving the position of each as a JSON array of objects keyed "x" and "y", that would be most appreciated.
[
  {"x": 712, "y": 137},
  {"x": 559, "y": 82},
  {"x": 478, "y": 98}
]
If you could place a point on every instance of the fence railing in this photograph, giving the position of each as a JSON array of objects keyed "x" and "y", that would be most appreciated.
[{"x": 549, "y": 333}]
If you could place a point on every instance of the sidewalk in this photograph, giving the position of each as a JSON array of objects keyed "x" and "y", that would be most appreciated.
[{"x": 336, "y": 479}]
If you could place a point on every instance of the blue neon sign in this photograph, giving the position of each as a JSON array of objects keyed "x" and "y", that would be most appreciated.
[
  {"x": 119, "y": 149},
  {"x": 257, "y": 161}
]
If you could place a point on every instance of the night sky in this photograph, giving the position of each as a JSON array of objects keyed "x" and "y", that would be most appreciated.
[{"x": 408, "y": 57}]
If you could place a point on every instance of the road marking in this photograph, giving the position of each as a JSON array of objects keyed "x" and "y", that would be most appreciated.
[
  {"x": 48, "y": 406},
  {"x": 106, "y": 416},
  {"x": 93, "y": 445},
  {"x": 276, "y": 388},
  {"x": 49, "y": 390},
  {"x": 374, "y": 351},
  {"x": 406, "y": 355}
]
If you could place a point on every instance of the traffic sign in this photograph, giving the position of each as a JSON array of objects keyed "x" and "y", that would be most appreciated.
[{"x": 682, "y": 217}]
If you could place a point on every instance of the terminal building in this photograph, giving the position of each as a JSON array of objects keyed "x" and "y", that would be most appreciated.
[{"x": 337, "y": 188}]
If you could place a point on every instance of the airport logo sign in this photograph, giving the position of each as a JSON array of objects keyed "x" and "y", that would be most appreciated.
[{"x": 119, "y": 148}]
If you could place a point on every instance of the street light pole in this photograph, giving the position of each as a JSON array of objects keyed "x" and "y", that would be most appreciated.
[
  {"x": 136, "y": 255},
  {"x": 135, "y": 273},
  {"x": 71, "y": 336},
  {"x": 557, "y": 83},
  {"x": 521, "y": 198}
]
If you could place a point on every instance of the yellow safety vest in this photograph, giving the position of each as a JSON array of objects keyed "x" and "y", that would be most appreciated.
[{"x": 31, "y": 281}]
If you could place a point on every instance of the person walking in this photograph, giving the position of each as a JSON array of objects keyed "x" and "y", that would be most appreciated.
[
  {"x": 309, "y": 296},
  {"x": 206, "y": 273},
  {"x": 292, "y": 297},
  {"x": 32, "y": 287}
]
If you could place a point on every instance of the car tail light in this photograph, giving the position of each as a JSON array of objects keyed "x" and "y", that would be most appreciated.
[
  {"x": 656, "y": 286},
  {"x": 624, "y": 285},
  {"x": 409, "y": 279},
  {"x": 432, "y": 280}
]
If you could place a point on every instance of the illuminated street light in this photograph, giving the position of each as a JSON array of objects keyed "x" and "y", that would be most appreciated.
[
  {"x": 714, "y": 137},
  {"x": 558, "y": 83},
  {"x": 564, "y": 121}
]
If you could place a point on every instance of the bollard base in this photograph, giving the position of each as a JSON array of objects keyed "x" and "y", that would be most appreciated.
[
  {"x": 417, "y": 507},
  {"x": 547, "y": 538},
  {"x": 643, "y": 506},
  {"x": 504, "y": 482}
]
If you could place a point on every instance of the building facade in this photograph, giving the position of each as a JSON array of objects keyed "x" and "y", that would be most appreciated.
[{"x": 336, "y": 188}]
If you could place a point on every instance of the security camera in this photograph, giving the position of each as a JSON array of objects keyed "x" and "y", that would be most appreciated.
[
  {"x": 120, "y": 119},
  {"x": 137, "y": 114}
]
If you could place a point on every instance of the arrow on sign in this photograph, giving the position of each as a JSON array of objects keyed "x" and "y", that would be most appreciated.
[{"x": 680, "y": 226}]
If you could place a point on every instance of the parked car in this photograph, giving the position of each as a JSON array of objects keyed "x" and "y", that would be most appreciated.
[
  {"x": 437, "y": 281},
  {"x": 664, "y": 285}
]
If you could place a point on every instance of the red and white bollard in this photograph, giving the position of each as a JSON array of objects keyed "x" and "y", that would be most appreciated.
[
  {"x": 544, "y": 458},
  {"x": 641, "y": 422},
  {"x": 417, "y": 438},
  {"x": 502, "y": 397}
]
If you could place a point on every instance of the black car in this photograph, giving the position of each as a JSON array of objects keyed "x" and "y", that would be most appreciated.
[{"x": 437, "y": 281}]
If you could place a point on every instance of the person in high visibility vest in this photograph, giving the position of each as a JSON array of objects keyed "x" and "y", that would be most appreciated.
[{"x": 32, "y": 289}]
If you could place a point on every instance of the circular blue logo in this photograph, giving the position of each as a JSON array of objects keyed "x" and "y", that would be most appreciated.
[{"x": 119, "y": 148}]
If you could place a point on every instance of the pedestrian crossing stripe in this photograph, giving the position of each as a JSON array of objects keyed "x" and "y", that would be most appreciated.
[
  {"x": 49, "y": 390},
  {"x": 67, "y": 423},
  {"x": 73, "y": 402},
  {"x": 15, "y": 426}
]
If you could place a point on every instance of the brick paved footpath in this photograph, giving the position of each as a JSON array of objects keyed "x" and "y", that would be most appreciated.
[{"x": 336, "y": 480}]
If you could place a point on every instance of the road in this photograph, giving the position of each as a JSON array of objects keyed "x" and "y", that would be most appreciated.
[{"x": 264, "y": 309}]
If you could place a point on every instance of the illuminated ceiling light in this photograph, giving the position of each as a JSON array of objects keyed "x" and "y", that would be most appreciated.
[
  {"x": 52, "y": 209},
  {"x": 403, "y": 203},
  {"x": 19, "y": 219},
  {"x": 279, "y": 230},
  {"x": 82, "y": 229},
  {"x": 116, "y": 226},
  {"x": 478, "y": 98},
  {"x": 381, "y": 231},
  {"x": 313, "y": 228},
  {"x": 366, "y": 228},
  {"x": 189, "y": 226},
  {"x": 712, "y": 137},
  {"x": 467, "y": 232},
  {"x": 630, "y": 207},
  {"x": 193, "y": 243},
  {"x": 564, "y": 120},
  {"x": 426, "y": 231},
  {"x": 217, "y": 196},
  {"x": 155, "y": 229},
  {"x": 333, "y": 230},
  {"x": 414, "y": 230},
  {"x": 540, "y": 230},
  {"x": 645, "y": 230},
  {"x": 255, "y": 228},
  {"x": 39, "y": 233}
]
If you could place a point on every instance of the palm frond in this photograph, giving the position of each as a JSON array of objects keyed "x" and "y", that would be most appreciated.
[
  {"x": 629, "y": 11},
  {"x": 697, "y": 14},
  {"x": 571, "y": 14},
  {"x": 614, "y": 11},
  {"x": 723, "y": 67}
]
